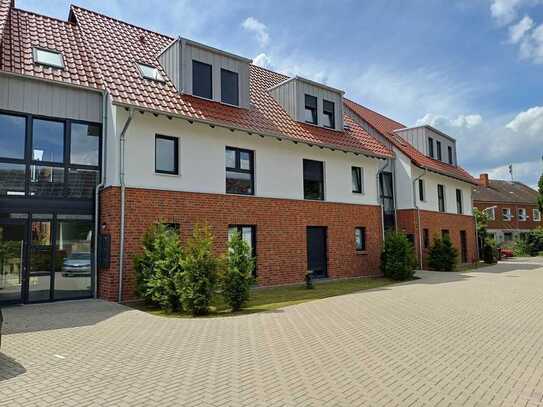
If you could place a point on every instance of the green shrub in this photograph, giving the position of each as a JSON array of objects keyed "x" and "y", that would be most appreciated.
[
  {"x": 534, "y": 240},
  {"x": 398, "y": 257},
  {"x": 442, "y": 255},
  {"x": 196, "y": 283},
  {"x": 521, "y": 248},
  {"x": 157, "y": 267},
  {"x": 237, "y": 277},
  {"x": 490, "y": 252}
]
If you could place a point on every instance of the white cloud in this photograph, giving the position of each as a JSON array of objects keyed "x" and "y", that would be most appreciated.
[
  {"x": 263, "y": 60},
  {"x": 251, "y": 24},
  {"x": 442, "y": 122},
  {"x": 529, "y": 122},
  {"x": 528, "y": 170},
  {"x": 531, "y": 46},
  {"x": 504, "y": 11},
  {"x": 517, "y": 31}
]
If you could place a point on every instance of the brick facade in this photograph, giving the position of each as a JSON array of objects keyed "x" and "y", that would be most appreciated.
[
  {"x": 436, "y": 222},
  {"x": 514, "y": 223},
  {"x": 280, "y": 232}
]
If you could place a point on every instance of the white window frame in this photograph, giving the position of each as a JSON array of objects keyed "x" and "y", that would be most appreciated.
[
  {"x": 508, "y": 215},
  {"x": 524, "y": 217},
  {"x": 490, "y": 213},
  {"x": 536, "y": 215}
]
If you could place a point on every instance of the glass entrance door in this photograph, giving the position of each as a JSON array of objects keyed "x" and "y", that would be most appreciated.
[
  {"x": 12, "y": 260},
  {"x": 41, "y": 258}
]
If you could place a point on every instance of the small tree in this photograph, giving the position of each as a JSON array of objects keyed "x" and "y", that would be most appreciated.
[
  {"x": 490, "y": 251},
  {"x": 238, "y": 275},
  {"x": 158, "y": 266},
  {"x": 442, "y": 255},
  {"x": 398, "y": 257},
  {"x": 196, "y": 283}
]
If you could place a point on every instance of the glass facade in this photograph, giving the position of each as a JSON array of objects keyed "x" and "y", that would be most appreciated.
[{"x": 46, "y": 254}]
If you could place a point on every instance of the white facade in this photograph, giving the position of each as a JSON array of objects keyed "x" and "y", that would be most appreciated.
[
  {"x": 406, "y": 173},
  {"x": 278, "y": 164}
]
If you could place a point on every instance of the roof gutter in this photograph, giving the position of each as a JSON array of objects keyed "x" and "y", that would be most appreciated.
[
  {"x": 278, "y": 136},
  {"x": 418, "y": 213},
  {"x": 122, "y": 148}
]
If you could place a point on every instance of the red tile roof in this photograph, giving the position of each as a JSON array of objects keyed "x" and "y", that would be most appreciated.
[
  {"x": 5, "y": 6},
  {"x": 28, "y": 30},
  {"x": 117, "y": 46},
  {"x": 505, "y": 191},
  {"x": 386, "y": 127}
]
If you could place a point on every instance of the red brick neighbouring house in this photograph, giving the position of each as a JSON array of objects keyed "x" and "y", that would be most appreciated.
[{"x": 511, "y": 207}]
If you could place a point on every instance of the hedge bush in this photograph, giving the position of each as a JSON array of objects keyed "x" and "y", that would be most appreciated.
[
  {"x": 442, "y": 255},
  {"x": 398, "y": 257},
  {"x": 490, "y": 252},
  {"x": 157, "y": 267},
  {"x": 237, "y": 277},
  {"x": 196, "y": 283}
]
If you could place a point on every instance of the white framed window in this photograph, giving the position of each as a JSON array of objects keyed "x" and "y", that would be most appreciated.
[
  {"x": 522, "y": 215},
  {"x": 490, "y": 213},
  {"x": 48, "y": 57},
  {"x": 150, "y": 72},
  {"x": 506, "y": 214},
  {"x": 536, "y": 215},
  {"x": 357, "y": 174}
]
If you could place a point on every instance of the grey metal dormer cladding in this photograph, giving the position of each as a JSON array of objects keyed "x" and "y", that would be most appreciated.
[
  {"x": 177, "y": 60},
  {"x": 422, "y": 137},
  {"x": 290, "y": 94}
]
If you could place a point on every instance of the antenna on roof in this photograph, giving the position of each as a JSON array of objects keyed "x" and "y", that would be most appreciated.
[{"x": 511, "y": 171}]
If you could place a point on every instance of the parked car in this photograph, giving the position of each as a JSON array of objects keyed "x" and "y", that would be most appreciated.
[
  {"x": 77, "y": 264},
  {"x": 506, "y": 253}
]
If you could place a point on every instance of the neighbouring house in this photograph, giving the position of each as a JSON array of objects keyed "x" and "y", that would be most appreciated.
[
  {"x": 511, "y": 208},
  {"x": 107, "y": 128},
  {"x": 433, "y": 194}
]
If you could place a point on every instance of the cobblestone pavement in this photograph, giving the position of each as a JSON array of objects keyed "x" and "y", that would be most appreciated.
[{"x": 448, "y": 339}]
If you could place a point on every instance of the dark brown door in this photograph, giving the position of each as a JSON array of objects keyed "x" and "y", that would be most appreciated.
[
  {"x": 316, "y": 251},
  {"x": 463, "y": 246}
]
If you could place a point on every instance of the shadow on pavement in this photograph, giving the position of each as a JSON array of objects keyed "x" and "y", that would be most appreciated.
[
  {"x": 9, "y": 368},
  {"x": 58, "y": 315}
]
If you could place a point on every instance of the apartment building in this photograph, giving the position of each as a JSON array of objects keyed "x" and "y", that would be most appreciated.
[
  {"x": 106, "y": 128},
  {"x": 511, "y": 207},
  {"x": 433, "y": 193}
]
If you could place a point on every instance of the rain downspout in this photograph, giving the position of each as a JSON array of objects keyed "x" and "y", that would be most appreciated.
[
  {"x": 418, "y": 213},
  {"x": 105, "y": 99},
  {"x": 122, "y": 146}
]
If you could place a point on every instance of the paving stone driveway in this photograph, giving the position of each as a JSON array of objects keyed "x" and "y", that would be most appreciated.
[{"x": 451, "y": 339}]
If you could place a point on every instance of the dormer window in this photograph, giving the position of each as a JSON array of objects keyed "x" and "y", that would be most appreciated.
[
  {"x": 202, "y": 80},
  {"x": 438, "y": 148},
  {"x": 328, "y": 114},
  {"x": 450, "y": 152},
  {"x": 310, "y": 109},
  {"x": 48, "y": 57},
  {"x": 150, "y": 72},
  {"x": 229, "y": 87},
  {"x": 431, "y": 147}
]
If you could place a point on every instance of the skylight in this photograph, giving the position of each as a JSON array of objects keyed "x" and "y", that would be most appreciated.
[
  {"x": 150, "y": 72},
  {"x": 48, "y": 57}
]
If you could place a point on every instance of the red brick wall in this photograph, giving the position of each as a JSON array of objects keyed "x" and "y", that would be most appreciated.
[
  {"x": 280, "y": 232},
  {"x": 514, "y": 223},
  {"x": 435, "y": 222}
]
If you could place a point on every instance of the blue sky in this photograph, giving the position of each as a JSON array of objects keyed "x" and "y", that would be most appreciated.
[{"x": 472, "y": 68}]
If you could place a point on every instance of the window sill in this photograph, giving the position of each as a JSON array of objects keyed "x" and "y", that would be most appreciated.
[
  {"x": 361, "y": 252},
  {"x": 165, "y": 174}
]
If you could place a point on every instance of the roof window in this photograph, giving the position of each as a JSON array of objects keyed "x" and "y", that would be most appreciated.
[
  {"x": 150, "y": 72},
  {"x": 48, "y": 57}
]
